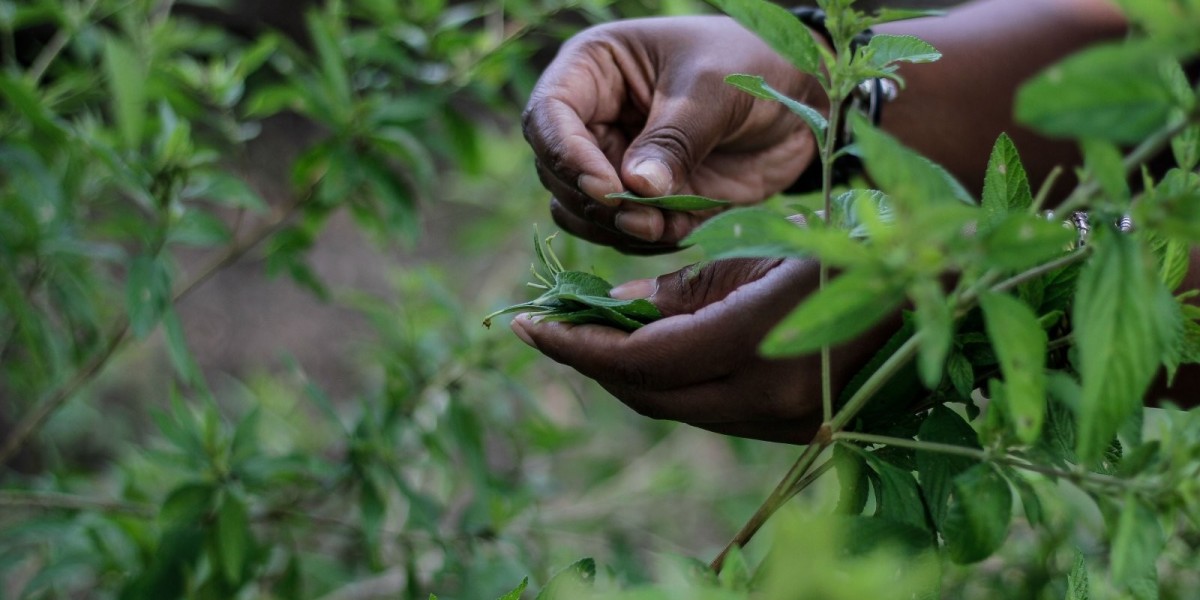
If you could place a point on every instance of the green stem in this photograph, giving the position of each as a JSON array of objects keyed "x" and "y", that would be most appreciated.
[
  {"x": 827, "y": 159},
  {"x": 903, "y": 355},
  {"x": 1043, "y": 269},
  {"x": 59, "y": 501},
  {"x": 55, "y": 47},
  {"x": 788, "y": 487},
  {"x": 1079, "y": 477}
]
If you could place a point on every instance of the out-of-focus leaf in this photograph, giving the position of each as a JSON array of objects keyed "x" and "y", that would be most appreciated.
[
  {"x": 978, "y": 515},
  {"x": 757, "y": 86},
  {"x": 1137, "y": 541},
  {"x": 910, "y": 179},
  {"x": 756, "y": 233},
  {"x": 147, "y": 292},
  {"x": 1112, "y": 92},
  {"x": 937, "y": 470},
  {"x": 126, "y": 75},
  {"x": 1020, "y": 345},
  {"x": 570, "y": 582},
  {"x": 849, "y": 305},
  {"x": 1124, "y": 322},
  {"x": 778, "y": 28}
]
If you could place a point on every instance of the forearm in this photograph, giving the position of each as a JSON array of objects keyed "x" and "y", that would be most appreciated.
[{"x": 952, "y": 110}]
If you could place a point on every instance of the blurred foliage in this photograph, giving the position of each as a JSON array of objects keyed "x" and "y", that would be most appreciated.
[{"x": 463, "y": 465}]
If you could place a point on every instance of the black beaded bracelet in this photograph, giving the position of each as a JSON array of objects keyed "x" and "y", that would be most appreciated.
[{"x": 868, "y": 98}]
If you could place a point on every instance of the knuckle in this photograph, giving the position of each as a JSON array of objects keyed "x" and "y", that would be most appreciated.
[{"x": 672, "y": 139}]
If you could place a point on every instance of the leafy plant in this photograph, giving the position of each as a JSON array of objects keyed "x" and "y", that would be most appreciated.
[
  {"x": 1063, "y": 339},
  {"x": 575, "y": 296}
]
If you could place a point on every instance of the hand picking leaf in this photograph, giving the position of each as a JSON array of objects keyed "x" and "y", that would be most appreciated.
[{"x": 575, "y": 296}]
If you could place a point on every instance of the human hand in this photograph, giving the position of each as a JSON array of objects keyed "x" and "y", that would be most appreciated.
[
  {"x": 700, "y": 364},
  {"x": 642, "y": 105}
]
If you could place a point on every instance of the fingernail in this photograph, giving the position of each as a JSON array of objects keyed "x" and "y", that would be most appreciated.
[
  {"x": 656, "y": 173},
  {"x": 638, "y": 288},
  {"x": 518, "y": 327},
  {"x": 597, "y": 188},
  {"x": 637, "y": 224}
]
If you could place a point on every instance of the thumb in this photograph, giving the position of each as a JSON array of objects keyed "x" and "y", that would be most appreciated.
[{"x": 678, "y": 134}]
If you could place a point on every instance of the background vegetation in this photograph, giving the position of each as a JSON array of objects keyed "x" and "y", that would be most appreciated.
[{"x": 242, "y": 271}]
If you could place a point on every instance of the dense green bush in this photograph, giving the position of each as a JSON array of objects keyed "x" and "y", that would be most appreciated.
[{"x": 461, "y": 465}]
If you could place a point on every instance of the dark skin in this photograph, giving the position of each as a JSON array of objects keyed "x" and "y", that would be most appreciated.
[{"x": 641, "y": 105}]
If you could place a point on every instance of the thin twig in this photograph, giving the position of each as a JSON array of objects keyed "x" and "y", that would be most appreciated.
[
  {"x": 985, "y": 456},
  {"x": 33, "y": 421},
  {"x": 787, "y": 488},
  {"x": 56, "y": 45},
  {"x": 60, "y": 501}
]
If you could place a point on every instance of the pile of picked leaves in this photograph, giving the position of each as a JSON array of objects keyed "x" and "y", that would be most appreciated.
[{"x": 575, "y": 296}]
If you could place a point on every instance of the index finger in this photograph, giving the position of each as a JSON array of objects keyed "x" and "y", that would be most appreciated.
[{"x": 575, "y": 91}]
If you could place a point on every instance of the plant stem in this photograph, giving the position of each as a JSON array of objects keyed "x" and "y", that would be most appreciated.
[
  {"x": 33, "y": 421},
  {"x": 788, "y": 487},
  {"x": 827, "y": 159},
  {"x": 59, "y": 501},
  {"x": 903, "y": 355},
  {"x": 1043, "y": 269},
  {"x": 55, "y": 47},
  {"x": 1144, "y": 151},
  {"x": 985, "y": 456}
]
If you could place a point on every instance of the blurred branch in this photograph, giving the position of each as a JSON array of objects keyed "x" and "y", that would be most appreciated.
[
  {"x": 56, "y": 45},
  {"x": 58, "y": 501},
  {"x": 33, "y": 421}
]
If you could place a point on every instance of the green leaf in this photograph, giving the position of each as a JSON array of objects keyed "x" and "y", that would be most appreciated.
[
  {"x": 1104, "y": 163},
  {"x": 1112, "y": 92},
  {"x": 1136, "y": 543},
  {"x": 777, "y": 27},
  {"x": 886, "y": 49},
  {"x": 1124, "y": 323},
  {"x": 1077, "y": 579},
  {"x": 910, "y": 179},
  {"x": 147, "y": 293},
  {"x": 233, "y": 538},
  {"x": 1029, "y": 497},
  {"x": 962, "y": 375},
  {"x": 679, "y": 202},
  {"x": 187, "y": 504},
  {"x": 757, "y": 233},
  {"x": 516, "y": 592},
  {"x": 1021, "y": 240},
  {"x": 177, "y": 349},
  {"x": 198, "y": 228},
  {"x": 1020, "y": 344},
  {"x": 333, "y": 67},
  {"x": 935, "y": 322},
  {"x": 127, "y": 75},
  {"x": 852, "y": 480},
  {"x": 848, "y": 306},
  {"x": 570, "y": 582},
  {"x": 1006, "y": 185},
  {"x": 1172, "y": 208},
  {"x": 1186, "y": 148},
  {"x": 1174, "y": 264},
  {"x": 937, "y": 470},
  {"x": 978, "y": 515},
  {"x": 735, "y": 571},
  {"x": 898, "y": 496},
  {"x": 757, "y": 86}
]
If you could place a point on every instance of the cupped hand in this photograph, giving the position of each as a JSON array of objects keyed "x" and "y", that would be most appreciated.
[
  {"x": 700, "y": 364},
  {"x": 642, "y": 106}
]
